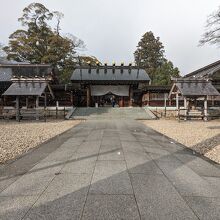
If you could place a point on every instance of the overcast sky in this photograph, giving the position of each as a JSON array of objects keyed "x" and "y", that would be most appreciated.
[{"x": 111, "y": 29}]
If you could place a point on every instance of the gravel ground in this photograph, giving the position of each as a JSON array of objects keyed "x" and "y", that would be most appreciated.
[
  {"x": 17, "y": 138},
  {"x": 203, "y": 137}
]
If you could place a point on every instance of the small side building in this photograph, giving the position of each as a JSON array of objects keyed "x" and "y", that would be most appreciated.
[
  {"x": 194, "y": 93},
  {"x": 210, "y": 72}
]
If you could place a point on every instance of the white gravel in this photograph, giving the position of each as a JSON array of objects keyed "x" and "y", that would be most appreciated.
[
  {"x": 203, "y": 137},
  {"x": 17, "y": 138}
]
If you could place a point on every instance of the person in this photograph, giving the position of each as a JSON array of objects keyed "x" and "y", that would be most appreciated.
[{"x": 113, "y": 101}]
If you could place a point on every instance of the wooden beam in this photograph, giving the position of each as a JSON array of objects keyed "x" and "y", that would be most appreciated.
[{"x": 37, "y": 106}]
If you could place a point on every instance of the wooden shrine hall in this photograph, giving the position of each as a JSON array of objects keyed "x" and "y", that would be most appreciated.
[
  {"x": 29, "y": 91},
  {"x": 101, "y": 84}
]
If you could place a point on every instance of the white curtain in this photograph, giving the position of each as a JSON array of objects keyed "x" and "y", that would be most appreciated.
[{"x": 119, "y": 90}]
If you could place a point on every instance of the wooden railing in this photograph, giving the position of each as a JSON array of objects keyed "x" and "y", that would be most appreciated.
[{"x": 33, "y": 113}]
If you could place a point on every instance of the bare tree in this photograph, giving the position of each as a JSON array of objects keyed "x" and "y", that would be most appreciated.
[
  {"x": 78, "y": 43},
  {"x": 58, "y": 15},
  {"x": 212, "y": 32}
]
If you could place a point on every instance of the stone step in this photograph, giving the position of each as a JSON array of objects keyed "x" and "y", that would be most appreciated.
[{"x": 111, "y": 113}]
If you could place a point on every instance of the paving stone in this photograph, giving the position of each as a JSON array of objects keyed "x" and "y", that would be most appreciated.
[
  {"x": 94, "y": 136},
  {"x": 132, "y": 146},
  {"x": 215, "y": 182},
  {"x": 187, "y": 182},
  {"x": 205, "y": 208},
  {"x": 111, "y": 141},
  {"x": 84, "y": 155},
  {"x": 148, "y": 142},
  {"x": 6, "y": 181},
  {"x": 127, "y": 137},
  {"x": 116, "y": 155},
  {"x": 15, "y": 207},
  {"x": 168, "y": 180},
  {"x": 68, "y": 148},
  {"x": 148, "y": 167},
  {"x": 107, "y": 168},
  {"x": 197, "y": 164},
  {"x": 111, "y": 177},
  {"x": 109, "y": 148},
  {"x": 155, "y": 150},
  {"x": 63, "y": 199},
  {"x": 163, "y": 156},
  {"x": 80, "y": 165},
  {"x": 115, "y": 184},
  {"x": 89, "y": 146},
  {"x": 29, "y": 184},
  {"x": 35, "y": 180},
  {"x": 74, "y": 141},
  {"x": 140, "y": 163},
  {"x": 59, "y": 155},
  {"x": 45, "y": 167},
  {"x": 110, "y": 133},
  {"x": 114, "y": 207},
  {"x": 158, "y": 199}
]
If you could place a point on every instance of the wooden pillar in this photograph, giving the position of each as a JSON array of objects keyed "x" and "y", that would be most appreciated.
[
  {"x": 45, "y": 100},
  {"x": 170, "y": 102},
  {"x": 130, "y": 96},
  {"x": 88, "y": 96},
  {"x": 17, "y": 109},
  {"x": 71, "y": 97},
  {"x": 205, "y": 109},
  {"x": 165, "y": 104},
  {"x": 37, "y": 106},
  {"x": 121, "y": 101},
  {"x": 45, "y": 106},
  {"x": 213, "y": 101},
  {"x": 177, "y": 103},
  {"x": 185, "y": 107},
  {"x": 148, "y": 98}
]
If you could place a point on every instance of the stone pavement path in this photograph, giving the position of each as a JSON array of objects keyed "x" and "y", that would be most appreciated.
[{"x": 110, "y": 170}]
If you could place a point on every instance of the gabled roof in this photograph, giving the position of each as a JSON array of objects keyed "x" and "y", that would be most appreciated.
[
  {"x": 26, "y": 88},
  {"x": 7, "y": 71},
  {"x": 194, "y": 88},
  {"x": 110, "y": 73},
  {"x": 205, "y": 72},
  {"x": 5, "y": 61},
  {"x": 5, "y": 74}
]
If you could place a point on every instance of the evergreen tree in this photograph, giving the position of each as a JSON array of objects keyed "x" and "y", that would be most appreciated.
[
  {"x": 165, "y": 72},
  {"x": 150, "y": 56},
  {"x": 39, "y": 43}
]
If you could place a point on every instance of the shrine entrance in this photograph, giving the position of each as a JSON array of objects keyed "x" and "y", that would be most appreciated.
[
  {"x": 110, "y": 95},
  {"x": 110, "y": 100}
]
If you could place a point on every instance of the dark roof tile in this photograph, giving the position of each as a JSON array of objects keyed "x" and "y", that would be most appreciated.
[
  {"x": 23, "y": 88},
  {"x": 109, "y": 74}
]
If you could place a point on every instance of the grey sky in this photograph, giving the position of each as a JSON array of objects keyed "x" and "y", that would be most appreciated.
[{"x": 111, "y": 29}]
